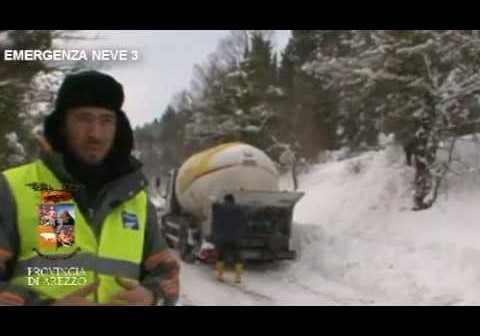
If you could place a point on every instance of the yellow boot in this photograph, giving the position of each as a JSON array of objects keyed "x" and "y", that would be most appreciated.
[
  {"x": 220, "y": 269},
  {"x": 238, "y": 272}
]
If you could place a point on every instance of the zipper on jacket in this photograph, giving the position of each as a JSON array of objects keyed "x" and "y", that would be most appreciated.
[{"x": 90, "y": 220}]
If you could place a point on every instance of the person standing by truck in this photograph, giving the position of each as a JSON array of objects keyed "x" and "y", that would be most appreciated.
[{"x": 228, "y": 227}]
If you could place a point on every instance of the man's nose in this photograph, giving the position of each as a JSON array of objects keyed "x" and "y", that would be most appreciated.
[{"x": 95, "y": 130}]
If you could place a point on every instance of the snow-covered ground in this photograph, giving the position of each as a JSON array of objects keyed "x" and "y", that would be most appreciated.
[{"x": 359, "y": 243}]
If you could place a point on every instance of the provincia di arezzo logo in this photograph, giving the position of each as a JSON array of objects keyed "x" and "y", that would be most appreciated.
[{"x": 16, "y": 55}]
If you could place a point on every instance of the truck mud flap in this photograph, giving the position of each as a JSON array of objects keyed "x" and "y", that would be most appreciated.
[
  {"x": 287, "y": 255},
  {"x": 267, "y": 255}
]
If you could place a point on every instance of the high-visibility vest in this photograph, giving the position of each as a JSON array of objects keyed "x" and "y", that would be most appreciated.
[{"x": 55, "y": 271}]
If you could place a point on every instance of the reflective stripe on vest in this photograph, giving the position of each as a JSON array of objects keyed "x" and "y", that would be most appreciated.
[
  {"x": 57, "y": 272},
  {"x": 84, "y": 261}
]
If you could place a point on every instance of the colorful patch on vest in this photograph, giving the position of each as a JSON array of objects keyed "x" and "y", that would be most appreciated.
[
  {"x": 130, "y": 221},
  {"x": 52, "y": 195},
  {"x": 56, "y": 196},
  {"x": 56, "y": 226}
]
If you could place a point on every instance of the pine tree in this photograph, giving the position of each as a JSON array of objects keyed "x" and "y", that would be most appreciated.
[
  {"x": 308, "y": 108},
  {"x": 233, "y": 100}
]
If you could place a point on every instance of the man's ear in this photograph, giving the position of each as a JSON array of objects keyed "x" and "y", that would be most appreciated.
[{"x": 54, "y": 130}]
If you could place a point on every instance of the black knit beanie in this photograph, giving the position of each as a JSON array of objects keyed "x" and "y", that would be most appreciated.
[
  {"x": 90, "y": 88},
  {"x": 93, "y": 89}
]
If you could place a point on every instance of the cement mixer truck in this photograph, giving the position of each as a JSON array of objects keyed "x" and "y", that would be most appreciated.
[{"x": 251, "y": 177}]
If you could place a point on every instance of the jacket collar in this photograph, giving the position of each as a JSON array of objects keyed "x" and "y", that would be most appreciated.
[{"x": 122, "y": 188}]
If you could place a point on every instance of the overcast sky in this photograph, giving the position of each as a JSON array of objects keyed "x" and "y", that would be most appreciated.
[{"x": 165, "y": 65}]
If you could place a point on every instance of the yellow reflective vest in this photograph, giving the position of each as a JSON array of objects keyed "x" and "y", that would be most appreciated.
[{"x": 59, "y": 253}]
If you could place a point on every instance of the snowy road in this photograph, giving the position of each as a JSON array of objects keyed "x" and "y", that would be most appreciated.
[{"x": 284, "y": 283}]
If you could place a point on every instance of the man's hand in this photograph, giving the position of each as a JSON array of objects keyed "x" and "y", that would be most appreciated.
[
  {"x": 11, "y": 299},
  {"x": 134, "y": 294},
  {"x": 78, "y": 298},
  {"x": 170, "y": 291}
]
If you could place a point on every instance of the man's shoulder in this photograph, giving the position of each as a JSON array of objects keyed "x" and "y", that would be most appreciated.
[
  {"x": 14, "y": 169},
  {"x": 237, "y": 207},
  {"x": 232, "y": 208}
]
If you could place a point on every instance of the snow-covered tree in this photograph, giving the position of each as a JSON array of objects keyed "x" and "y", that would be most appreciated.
[
  {"x": 309, "y": 108},
  {"x": 418, "y": 83},
  {"x": 15, "y": 153},
  {"x": 234, "y": 94},
  {"x": 28, "y": 89},
  {"x": 37, "y": 102}
]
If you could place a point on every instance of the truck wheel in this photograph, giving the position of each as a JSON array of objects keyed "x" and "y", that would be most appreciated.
[
  {"x": 184, "y": 249},
  {"x": 163, "y": 230}
]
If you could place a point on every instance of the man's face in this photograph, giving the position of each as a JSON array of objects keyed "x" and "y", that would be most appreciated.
[{"x": 90, "y": 132}]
